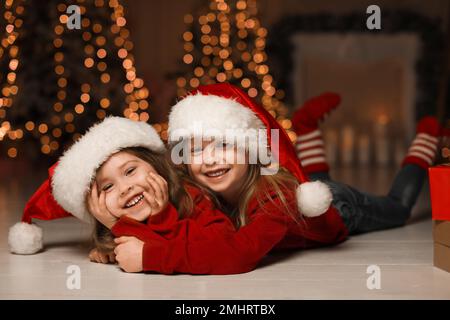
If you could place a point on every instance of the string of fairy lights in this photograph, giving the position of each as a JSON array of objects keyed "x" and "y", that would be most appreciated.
[
  {"x": 232, "y": 48},
  {"x": 135, "y": 105},
  {"x": 9, "y": 88}
]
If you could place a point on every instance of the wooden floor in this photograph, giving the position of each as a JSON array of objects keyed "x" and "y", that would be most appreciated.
[{"x": 404, "y": 256}]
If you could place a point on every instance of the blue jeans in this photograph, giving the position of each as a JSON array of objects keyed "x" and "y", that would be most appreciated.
[{"x": 362, "y": 212}]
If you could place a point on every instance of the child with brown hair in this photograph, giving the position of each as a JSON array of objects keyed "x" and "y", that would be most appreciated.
[{"x": 121, "y": 166}]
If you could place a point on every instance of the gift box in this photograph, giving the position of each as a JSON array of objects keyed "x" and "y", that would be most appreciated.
[
  {"x": 439, "y": 177},
  {"x": 440, "y": 206},
  {"x": 441, "y": 238}
]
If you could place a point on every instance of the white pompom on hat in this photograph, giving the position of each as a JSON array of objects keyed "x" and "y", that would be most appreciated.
[
  {"x": 70, "y": 178},
  {"x": 25, "y": 238}
]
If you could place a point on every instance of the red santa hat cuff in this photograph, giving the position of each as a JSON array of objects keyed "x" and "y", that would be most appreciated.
[
  {"x": 63, "y": 193},
  {"x": 224, "y": 108}
]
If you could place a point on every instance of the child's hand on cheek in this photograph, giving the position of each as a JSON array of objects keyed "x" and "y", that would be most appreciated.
[
  {"x": 129, "y": 253},
  {"x": 157, "y": 194},
  {"x": 97, "y": 207}
]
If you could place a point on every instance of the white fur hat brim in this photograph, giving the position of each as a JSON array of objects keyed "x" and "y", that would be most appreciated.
[
  {"x": 212, "y": 116},
  {"x": 77, "y": 167}
]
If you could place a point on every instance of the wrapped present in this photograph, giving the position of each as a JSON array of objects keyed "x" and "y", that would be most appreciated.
[
  {"x": 441, "y": 237},
  {"x": 440, "y": 205},
  {"x": 439, "y": 177}
]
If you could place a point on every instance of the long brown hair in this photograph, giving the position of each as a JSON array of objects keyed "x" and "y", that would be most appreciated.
[{"x": 178, "y": 196}]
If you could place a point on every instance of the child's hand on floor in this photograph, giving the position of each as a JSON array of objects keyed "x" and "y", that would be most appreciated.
[
  {"x": 97, "y": 256},
  {"x": 129, "y": 253},
  {"x": 97, "y": 207},
  {"x": 157, "y": 194}
]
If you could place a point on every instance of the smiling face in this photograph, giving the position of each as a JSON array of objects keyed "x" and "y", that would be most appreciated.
[
  {"x": 123, "y": 179},
  {"x": 214, "y": 165}
]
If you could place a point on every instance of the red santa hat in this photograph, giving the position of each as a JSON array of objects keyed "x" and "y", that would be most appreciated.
[
  {"x": 63, "y": 193},
  {"x": 222, "y": 107}
]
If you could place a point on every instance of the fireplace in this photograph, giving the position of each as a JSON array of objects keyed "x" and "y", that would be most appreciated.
[
  {"x": 375, "y": 76},
  {"x": 387, "y": 78}
]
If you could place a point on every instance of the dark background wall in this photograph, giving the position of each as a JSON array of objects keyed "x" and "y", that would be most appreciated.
[{"x": 157, "y": 27}]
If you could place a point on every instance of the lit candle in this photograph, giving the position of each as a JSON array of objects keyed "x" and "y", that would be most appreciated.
[
  {"x": 381, "y": 140},
  {"x": 364, "y": 150},
  {"x": 446, "y": 154},
  {"x": 348, "y": 140},
  {"x": 331, "y": 146},
  {"x": 399, "y": 151}
]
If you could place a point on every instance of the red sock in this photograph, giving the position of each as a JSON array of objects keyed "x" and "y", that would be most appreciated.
[
  {"x": 314, "y": 110},
  {"x": 423, "y": 149},
  {"x": 305, "y": 122}
]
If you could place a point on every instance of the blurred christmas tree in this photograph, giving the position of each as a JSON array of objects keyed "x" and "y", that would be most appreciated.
[
  {"x": 225, "y": 42},
  {"x": 56, "y": 81}
]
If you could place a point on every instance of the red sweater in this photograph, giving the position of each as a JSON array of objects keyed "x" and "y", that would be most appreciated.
[{"x": 207, "y": 242}]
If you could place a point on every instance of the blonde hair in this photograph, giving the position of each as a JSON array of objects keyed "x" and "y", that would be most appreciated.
[
  {"x": 103, "y": 238},
  {"x": 255, "y": 185},
  {"x": 262, "y": 188}
]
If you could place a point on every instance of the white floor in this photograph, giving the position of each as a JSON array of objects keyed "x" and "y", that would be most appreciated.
[{"x": 404, "y": 256}]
